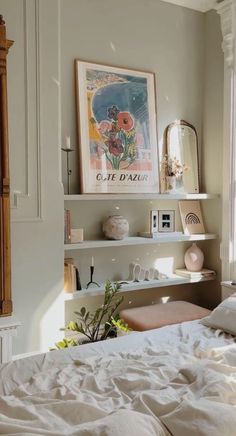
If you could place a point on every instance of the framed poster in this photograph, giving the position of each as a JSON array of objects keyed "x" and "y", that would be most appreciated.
[
  {"x": 116, "y": 115},
  {"x": 191, "y": 217}
]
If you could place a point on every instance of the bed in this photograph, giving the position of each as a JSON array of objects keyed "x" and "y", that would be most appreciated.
[{"x": 177, "y": 380}]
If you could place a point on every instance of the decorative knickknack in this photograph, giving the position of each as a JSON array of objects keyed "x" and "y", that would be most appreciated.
[
  {"x": 172, "y": 170},
  {"x": 115, "y": 227},
  {"x": 194, "y": 258},
  {"x": 170, "y": 184}
]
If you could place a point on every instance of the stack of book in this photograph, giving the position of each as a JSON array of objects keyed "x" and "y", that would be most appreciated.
[
  {"x": 67, "y": 226},
  {"x": 195, "y": 274},
  {"x": 71, "y": 276}
]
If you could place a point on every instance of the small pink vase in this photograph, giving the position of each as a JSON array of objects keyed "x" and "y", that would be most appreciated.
[{"x": 194, "y": 258}]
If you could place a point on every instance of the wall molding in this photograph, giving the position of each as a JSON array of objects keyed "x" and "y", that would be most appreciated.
[
  {"x": 225, "y": 10},
  {"x": 197, "y": 5},
  {"x": 24, "y": 207}
]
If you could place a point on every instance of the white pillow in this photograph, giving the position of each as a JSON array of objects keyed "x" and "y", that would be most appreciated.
[{"x": 223, "y": 316}]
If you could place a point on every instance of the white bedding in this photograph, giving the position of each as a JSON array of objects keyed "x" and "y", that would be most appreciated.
[{"x": 178, "y": 380}]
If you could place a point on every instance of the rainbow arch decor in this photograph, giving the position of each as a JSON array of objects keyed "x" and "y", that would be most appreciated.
[
  {"x": 191, "y": 217},
  {"x": 117, "y": 129}
]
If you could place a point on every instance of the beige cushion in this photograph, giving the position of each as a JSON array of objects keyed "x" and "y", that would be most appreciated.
[
  {"x": 159, "y": 315},
  {"x": 223, "y": 316}
]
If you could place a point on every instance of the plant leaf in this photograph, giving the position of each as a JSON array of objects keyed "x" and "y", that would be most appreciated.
[{"x": 83, "y": 311}]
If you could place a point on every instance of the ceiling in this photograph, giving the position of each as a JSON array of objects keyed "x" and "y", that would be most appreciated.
[{"x": 198, "y": 5}]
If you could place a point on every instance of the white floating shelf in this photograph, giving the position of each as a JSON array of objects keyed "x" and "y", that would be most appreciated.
[
  {"x": 136, "y": 240},
  {"x": 140, "y": 197},
  {"x": 143, "y": 285}
]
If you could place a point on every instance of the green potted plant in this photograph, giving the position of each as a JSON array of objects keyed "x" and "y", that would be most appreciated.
[{"x": 99, "y": 325}]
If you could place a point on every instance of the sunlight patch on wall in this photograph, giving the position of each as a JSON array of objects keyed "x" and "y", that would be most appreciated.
[
  {"x": 164, "y": 265},
  {"x": 165, "y": 299},
  {"x": 52, "y": 321},
  {"x": 47, "y": 321}
]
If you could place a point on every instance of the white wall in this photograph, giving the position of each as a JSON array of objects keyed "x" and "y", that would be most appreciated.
[
  {"x": 159, "y": 37},
  {"x": 166, "y": 39},
  {"x": 170, "y": 41},
  {"x": 37, "y": 214}
]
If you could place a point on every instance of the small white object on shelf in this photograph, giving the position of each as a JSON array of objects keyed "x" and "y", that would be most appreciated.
[
  {"x": 136, "y": 272},
  {"x": 152, "y": 273},
  {"x": 76, "y": 236},
  {"x": 153, "y": 221},
  {"x": 142, "y": 275},
  {"x": 146, "y": 275},
  {"x": 156, "y": 274}
]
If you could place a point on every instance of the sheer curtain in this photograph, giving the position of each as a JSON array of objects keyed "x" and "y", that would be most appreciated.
[{"x": 227, "y": 12}]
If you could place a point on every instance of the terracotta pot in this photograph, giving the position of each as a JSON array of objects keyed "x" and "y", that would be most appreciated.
[
  {"x": 194, "y": 258},
  {"x": 116, "y": 227}
]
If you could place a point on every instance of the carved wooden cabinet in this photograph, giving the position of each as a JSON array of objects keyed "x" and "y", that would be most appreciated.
[{"x": 5, "y": 252}]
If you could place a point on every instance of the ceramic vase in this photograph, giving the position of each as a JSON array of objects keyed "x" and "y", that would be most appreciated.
[
  {"x": 194, "y": 258},
  {"x": 116, "y": 227},
  {"x": 170, "y": 184}
]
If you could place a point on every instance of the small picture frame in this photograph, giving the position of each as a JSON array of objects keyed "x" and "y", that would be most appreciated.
[
  {"x": 153, "y": 221},
  {"x": 166, "y": 220},
  {"x": 191, "y": 217}
]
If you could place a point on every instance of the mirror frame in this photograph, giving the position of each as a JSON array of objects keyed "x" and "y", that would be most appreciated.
[
  {"x": 5, "y": 235},
  {"x": 183, "y": 123}
]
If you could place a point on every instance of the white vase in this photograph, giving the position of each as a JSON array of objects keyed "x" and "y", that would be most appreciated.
[
  {"x": 115, "y": 227},
  {"x": 170, "y": 184},
  {"x": 194, "y": 258}
]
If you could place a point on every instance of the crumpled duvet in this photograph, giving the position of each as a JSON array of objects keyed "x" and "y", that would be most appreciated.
[{"x": 179, "y": 380}]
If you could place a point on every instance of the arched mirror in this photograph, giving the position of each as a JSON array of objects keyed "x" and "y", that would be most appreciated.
[{"x": 182, "y": 148}]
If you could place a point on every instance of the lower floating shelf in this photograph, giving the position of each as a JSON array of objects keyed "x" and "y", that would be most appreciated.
[
  {"x": 137, "y": 240},
  {"x": 132, "y": 286}
]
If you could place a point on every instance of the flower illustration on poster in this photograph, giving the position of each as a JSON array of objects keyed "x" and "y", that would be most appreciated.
[
  {"x": 119, "y": 147},
  {"x": 119, "y": 138}
]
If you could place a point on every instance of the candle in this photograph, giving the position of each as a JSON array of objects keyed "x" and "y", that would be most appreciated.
[
  {"x": 68, "y": 142},
  {"x": 92, "y": 261}
]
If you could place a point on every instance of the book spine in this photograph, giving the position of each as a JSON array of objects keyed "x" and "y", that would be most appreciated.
[
  {"x": 73, "y": 281},
  {"x": 68, "y": 286},
  {"x": 67, "y": 226}
]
